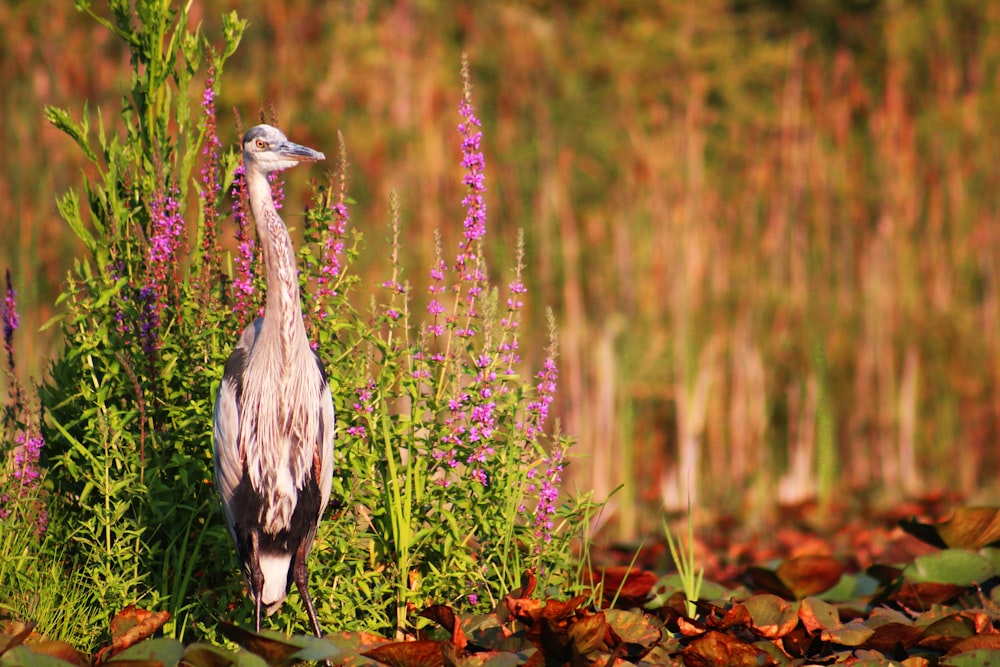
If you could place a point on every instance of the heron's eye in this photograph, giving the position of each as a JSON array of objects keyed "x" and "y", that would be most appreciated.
[{"x": 261, "y": 144}]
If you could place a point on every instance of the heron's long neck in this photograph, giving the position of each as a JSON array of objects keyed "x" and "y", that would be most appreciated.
[{"x": 283, "y": 313}]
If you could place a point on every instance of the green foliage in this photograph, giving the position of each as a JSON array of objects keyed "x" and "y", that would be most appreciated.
[
  {"x": 690, "y": 575},
  {"x": 446, "y": 477},
  {"x": 129, "y": 398}
]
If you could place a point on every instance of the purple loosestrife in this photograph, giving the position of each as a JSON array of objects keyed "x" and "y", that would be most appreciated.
[
  {"x": 363, "y": 408},
  {"x": 10, "y": 320},
  {"x": 22, "y": 459},
  {"x": 436, "y": 327},
  {"x": 243, "y": 281},
  {"x": 25, "y": 478},
  {"x": 468, "y": 263},
  {"x": 167, "y": 224},
  {"x": 210, "y": 186},
  {"x": 533, "y": 425},
  {"x": 511, "y": 321},
  {"x": 548, "y": 495},
  {"x": 333, "y": 248},
  {"x": 482, "y": 419}
]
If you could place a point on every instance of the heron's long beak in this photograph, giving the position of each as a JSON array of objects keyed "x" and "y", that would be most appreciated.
[{"x": 294, "y": 151}]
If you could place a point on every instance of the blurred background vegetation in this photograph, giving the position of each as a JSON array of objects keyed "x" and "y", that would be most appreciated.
[{"x": 769, "y": 229}]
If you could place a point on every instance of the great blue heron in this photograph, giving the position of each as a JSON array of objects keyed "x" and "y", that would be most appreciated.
[{"x": 274, "y": 418}]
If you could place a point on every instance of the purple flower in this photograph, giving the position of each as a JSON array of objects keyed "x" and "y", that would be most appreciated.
[
  {"x": 333, "y": 248},
  {"x": 10, "y": 320},
  {"x": 149, "y": 321},
  {"x": 243, "y": 281},
  {"x": 538, "y": 409},
  {"x": 210, "y": 186},
  {"x": 474, "y": 226},
  {"x": 468, "y": 262},
  {"x": 26, "y": 473},
  {"x": 166, "y": 227},
  {"x": 548, "y": 496}
]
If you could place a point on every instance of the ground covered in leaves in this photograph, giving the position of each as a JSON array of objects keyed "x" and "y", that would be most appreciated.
[{"x": 899, "y": 591}]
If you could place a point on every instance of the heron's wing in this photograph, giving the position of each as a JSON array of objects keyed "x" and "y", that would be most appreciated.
[
  {"x": 323, "y": 464},
  {"x": 229, "y": 454}
]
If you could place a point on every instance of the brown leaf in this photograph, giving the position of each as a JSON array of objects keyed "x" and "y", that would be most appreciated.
[
  {"x": 556, "y": 610},
  {"x": 924, "y": 595},
  {"x": 809, "y": 575},
  {"x": 62, "y": 651},
  {"x": 587, "y": 633},
  {"x": 272, "y": 650},
  {"x": 718, "y": 648},
  {"x": 946, "y": 632},
  {"x": 887, "y": 638},
  {"x": 971, "y": 528},
  {"x": 759, "y": 578},
  {"x": 771, "y": 616},
  {"x": 689, "y": 628},
  {"x": 818, "y": 615},
  {"x": 853, "y": 633},
  {"x": 627, "y": 586},
  {"x": 525, "y": 610},
  {"x": 15, "y": 634},
  {"x": 798, "y": 643},
  {"x": 634, "y": 627},
  {"x": 408, "y": 654},
  {"x": 206, "y": 655},
  {"x": 131, "y": 625},
  {"x": 976, "y": 642},
  {"x": 528, "y": 583},
  {"x": 738, "y": 615},
  {"x": 444, "y": 616}
]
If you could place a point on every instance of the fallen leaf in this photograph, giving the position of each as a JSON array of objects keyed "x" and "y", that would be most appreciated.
[
  {"x": 770, "y": 615},
  {"x": 408, "y": 654},
  {"x": 971, "y": 527},
  {"x": 718, "y": 648},
  {"x": 131, "y": 625},
  {"x": 271, "y": 648},
  {"x": 809, "y": 574},
  {"x": 588, "y": 633},
  {"x": 626, "y": 586},
  {"x": 975, "y": 642}
]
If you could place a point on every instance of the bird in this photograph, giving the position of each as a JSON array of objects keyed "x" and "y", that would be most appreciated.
[{"x": 273, "y": 423}]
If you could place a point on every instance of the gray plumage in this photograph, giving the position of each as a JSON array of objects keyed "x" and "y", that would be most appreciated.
[{"x": 274, "y": 421}]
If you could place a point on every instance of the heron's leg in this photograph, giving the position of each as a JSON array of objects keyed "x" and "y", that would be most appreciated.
[
  {"x": 301, "y": 575},
  {"x": 256, "y": 577}
]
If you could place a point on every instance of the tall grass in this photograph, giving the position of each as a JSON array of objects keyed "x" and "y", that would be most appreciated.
[{"x": 769, "y": 234}]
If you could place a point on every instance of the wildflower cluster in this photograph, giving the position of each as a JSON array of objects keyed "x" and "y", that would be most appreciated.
[
  {"x": 210, "y": 186},
  {"x": 167, "y": 224},
  {"x": 484, "y": 441},
  {"x": 20, "y": 475},
  {"x": 330, "y": 255},
  {"x": 246, "y": 257}
]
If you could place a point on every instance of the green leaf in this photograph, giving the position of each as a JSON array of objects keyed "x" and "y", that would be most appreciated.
[
  {"x": 61, "y": 119},
  {"x": 162, "y": 649},
  {"x": 22, "y": 656},
  {"x": 977, "y": 658},
  {"x": 69, "y": 208},
  {"x": 951, "y": 566}
]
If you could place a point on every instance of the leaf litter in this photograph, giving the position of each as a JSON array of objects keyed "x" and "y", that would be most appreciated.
[{"x": 920, "y": 594}]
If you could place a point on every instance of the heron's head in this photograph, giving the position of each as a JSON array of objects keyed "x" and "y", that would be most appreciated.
[{"x": 266, "y": 149}]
